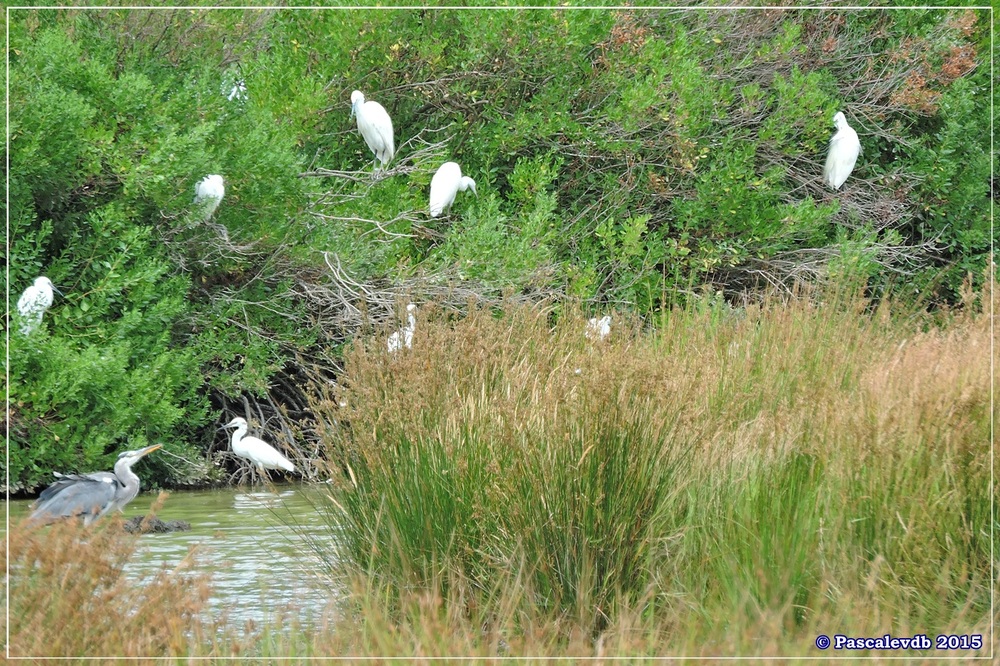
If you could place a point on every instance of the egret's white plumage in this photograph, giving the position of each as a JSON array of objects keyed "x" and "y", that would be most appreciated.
[
  {"x": 446, "y": 183},
  {"x": 404, "y": 336},
  {"x": 598, "y": 328},
  {"x": 375, "y": 126},
  {"x": 239, "y": 91},
  {"x": 256, "y": 450},
  {"x": 209, "y": 192},
  {"x": 844, "y": 150},
  {"x": 33, "y": 303}
]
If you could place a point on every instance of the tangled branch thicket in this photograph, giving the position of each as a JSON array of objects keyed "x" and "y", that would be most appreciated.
[
  {"x": 334, "y": 302},
  {"x": 178, "y": 35},
  {"x": 346, "y": 304},
  {"x": 890, "y": 89},
  {"x": 654, "y": 160}
]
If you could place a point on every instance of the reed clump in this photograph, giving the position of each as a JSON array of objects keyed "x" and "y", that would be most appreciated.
[
  {"x": 70, "y": 596},
  {"x": 802, "y": 466}
]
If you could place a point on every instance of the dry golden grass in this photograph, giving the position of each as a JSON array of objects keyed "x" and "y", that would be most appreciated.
[
  {"x": 744, "y": 479},
  {"x": 70, "y": 596}
]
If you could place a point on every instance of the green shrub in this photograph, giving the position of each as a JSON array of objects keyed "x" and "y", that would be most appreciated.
[{"x": 635, "y": 156}]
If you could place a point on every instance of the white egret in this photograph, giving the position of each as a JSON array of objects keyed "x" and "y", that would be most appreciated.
[
  {"x": 375, "y": 126},
  {"x": 446, "y": 183},
  {"x": 598, "y": 328},
  {"x": 209, "y": 192},
  {"x": 239, "y": 91},
  {"x": 844, "y": 150},
  {"x": 404, "y": 336},
  {"x": 256, "y": 450},
  {"x": 33, "y": 303},
  {"x": 91, "y": 495}
]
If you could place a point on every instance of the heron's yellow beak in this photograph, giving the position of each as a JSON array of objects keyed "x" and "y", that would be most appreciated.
[{"x": 149, "y": 449}]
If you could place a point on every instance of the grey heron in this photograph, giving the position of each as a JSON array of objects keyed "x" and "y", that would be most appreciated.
[{"x": 94, "y": 495}]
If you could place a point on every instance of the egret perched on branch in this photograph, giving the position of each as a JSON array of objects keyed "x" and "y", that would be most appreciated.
[
  {"x": 91, "y": 495},
  {"x": 209, "y": 192},
  {"x": 598, "y": 328},
  {"x": 404, "y": 336},
  {"x": 238, "y": 92},
  {"x": 375, "y": 126},
  {"x": 844, "y": 151},
  {"x": 256, "y": 450},
  {"x": 446, "y": 183},
  {"x": 33, "y": 303}
]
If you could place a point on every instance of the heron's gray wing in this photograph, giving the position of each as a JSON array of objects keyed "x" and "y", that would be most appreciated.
[
  {"x": 65, "y": 480},
  {"x": 76, "y": 495}
]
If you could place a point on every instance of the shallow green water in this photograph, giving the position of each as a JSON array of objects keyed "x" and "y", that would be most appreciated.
[{"x": 254, "y": 542}]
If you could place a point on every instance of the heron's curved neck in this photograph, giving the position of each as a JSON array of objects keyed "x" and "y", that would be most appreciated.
[{"x": 123, "y": 470}]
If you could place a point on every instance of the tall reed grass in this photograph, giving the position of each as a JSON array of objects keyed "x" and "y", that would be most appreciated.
[{"x": 734, "y": 481}]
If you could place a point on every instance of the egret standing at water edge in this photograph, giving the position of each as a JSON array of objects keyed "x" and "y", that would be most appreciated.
[
  {"x": 375, "y": 126},
  {"x": 256, "y": 450},
  {"x": 844, "y": 150},
  {"x": 33, "y": 303},
  {"x": 446, "y": 183},
  {"x": 91, "y": 495}
]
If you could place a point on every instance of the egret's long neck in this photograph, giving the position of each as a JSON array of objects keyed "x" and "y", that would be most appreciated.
[
  {"x": 413, "y": 321},
  {"x": 238, "y": 435}
]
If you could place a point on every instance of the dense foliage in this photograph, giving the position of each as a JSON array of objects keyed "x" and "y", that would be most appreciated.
[{"x": 625, "y": 157}]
